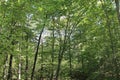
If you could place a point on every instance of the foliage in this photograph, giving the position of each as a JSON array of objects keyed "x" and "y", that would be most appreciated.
[{"x": 59, "y": 39}]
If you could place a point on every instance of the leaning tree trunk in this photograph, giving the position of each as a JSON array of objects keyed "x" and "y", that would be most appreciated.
[{"x": 36, "y": 53}]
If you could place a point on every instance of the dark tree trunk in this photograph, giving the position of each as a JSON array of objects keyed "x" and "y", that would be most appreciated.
[
  {"x": 70, "y": 59},
  {"x": 52, "y": 55},
  {"x": 26, "y": 68},
  {"x": 36, "y": 53},
  {"x": 10, "y": 68}
]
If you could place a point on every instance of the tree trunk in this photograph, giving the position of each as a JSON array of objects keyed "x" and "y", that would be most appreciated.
[
  {"x": 5, "y": 67},
  {"x": 41, "y": 75},
  {"x": 26, "y": 60},
  {"x": 61, "y": 52},
  {"x": 52, "y": 55},
  {"x": 26, "y": 68},
  {"x": 36, "y": 53},
  {"x": 19, "y": 68},
  {"x": 10, "y": 68},
  {"x": 70, "y": 59},
  {"x": 118, "y": 9}
]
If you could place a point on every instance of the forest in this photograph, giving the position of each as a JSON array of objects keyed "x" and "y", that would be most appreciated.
[{"x": 59, "y": 39}]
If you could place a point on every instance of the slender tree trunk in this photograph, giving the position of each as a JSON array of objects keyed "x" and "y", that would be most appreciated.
[
  {"x": 10, "y": 68},
  {"x": 61, "y": 52},
  {"x": 26, "y": 60},
  {"x": 70, "y": 59},
  {"x": 118, "y": 14},
  {"x": 118, "y": 9},
  {"x": 5, "y": 67},
  {"x": 52, "y": 55},
  {"x": 58, "y": 67},
  {"x": 26, "y": 68},
  {"x": 19, "y": 68},
  {"x": 41, "y": 76},
  {"x": 19, "y": 57},
  {"x": 36, "y": 53}
]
